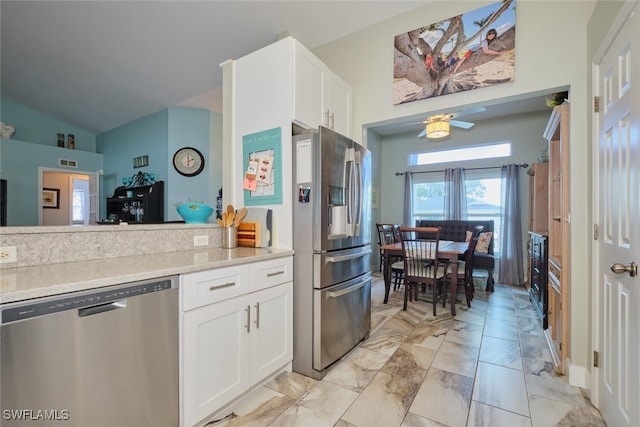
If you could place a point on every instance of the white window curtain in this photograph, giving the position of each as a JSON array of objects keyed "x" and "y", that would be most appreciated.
[
  {"x": 455, "y": 194},
  {"x": 511, "y": 270},
  {"x": 407, "y": 214}
]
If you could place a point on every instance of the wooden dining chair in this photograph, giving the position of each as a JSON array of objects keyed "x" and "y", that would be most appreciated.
[
  {"x": 465, "y": 267},
  {"x": 422, "y": 268},
  {"x": 387, "y": 235}
]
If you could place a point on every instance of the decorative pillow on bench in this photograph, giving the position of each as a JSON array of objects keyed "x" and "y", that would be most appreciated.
[{"x": 484, "y": 239}]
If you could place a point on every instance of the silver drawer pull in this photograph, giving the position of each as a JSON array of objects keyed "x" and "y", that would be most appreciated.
[
  {"x": 337, "y": 294},
  {"x": 225, "y": 285},
  {"x": 276, "y": 273},
  {"x": 341, "y": 258}
]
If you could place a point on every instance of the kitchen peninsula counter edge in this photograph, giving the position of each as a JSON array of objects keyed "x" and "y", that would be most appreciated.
[{"x": 22, "y": 283}]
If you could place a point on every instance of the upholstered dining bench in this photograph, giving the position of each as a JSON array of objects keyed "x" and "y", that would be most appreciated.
[{"x": 457, "y": 231}]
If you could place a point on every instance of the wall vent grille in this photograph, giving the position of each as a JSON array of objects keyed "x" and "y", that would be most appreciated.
[{"x": 68, "y": 163}]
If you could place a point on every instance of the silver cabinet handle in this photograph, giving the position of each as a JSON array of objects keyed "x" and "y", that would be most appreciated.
[
  {"x": 224, "y": 285},
  {"x": 275, "y": 273},
  {"x": 332, "y": 120},
  {"x": 326, "y": 122},
  {"x": 257, "y": 321},
  {"x": 248, "y": 310},
  {"x": 632, "y": 268}
]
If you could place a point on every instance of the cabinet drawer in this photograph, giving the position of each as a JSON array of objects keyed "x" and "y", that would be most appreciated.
[
  {"x": 206, "y": 287},
  {"x": 265, "y": 274}
]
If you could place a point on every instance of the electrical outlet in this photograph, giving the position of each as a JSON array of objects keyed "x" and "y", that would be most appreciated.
[
  {"x": 201, "y": 240},
  {"x": 8, "y": 254}
]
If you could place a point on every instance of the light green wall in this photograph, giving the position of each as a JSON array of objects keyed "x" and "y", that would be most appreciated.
[{"x": 551, "y": 52}]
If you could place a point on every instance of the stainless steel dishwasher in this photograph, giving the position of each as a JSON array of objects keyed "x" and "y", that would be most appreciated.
[{"x": 105, "y": 357}]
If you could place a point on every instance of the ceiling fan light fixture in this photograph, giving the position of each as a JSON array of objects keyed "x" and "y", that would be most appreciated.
[{"x": 437, "y": 129}]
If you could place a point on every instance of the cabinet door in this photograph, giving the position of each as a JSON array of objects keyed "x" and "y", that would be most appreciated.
[
  {"x": 215, "y": 357},
  {"x": 271, "y": 330},
  {"x": 337, "y": 103},
  {"x": 307, "y": 93}
]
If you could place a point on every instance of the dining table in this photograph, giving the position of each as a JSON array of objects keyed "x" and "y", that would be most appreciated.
[{"x": 447, "y": 249}]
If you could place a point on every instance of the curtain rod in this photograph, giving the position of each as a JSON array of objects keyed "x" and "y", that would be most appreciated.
[{"x": 522, "y": 165}]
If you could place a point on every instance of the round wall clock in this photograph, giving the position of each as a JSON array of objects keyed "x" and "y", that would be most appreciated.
[{"x": 188, "y": 161}]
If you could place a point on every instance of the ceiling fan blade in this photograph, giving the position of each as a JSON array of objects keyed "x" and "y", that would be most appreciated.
[
  {"x": 459, "y": 124},
  {"x": 469, "y": 111},
  {"x": 423, "y": 133}
]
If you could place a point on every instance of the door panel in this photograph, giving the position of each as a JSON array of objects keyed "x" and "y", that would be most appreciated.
[{"x": 617, "y": 388}]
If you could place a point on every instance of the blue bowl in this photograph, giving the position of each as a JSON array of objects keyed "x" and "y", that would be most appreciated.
[{"x": 195, "y": 212}]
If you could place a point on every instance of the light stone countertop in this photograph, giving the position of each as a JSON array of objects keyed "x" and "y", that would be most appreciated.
[{"x": 21, "y": 283}]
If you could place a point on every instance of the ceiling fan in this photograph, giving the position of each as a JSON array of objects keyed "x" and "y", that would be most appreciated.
[{"x": 438, "y": 125}]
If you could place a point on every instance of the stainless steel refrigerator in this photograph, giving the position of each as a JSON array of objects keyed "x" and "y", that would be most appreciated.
[{"x": 332, "y": 243}]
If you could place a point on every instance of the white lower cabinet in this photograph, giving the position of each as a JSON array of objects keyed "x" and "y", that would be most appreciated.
[{"x": 230, "y": 345}]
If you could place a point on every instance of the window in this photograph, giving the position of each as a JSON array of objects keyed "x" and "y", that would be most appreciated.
[
  {"x": 487, "y": 151},
  {"x": 483, "y": 198}
]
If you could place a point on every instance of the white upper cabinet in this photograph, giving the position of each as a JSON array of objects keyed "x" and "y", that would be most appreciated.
[{"x": 320, "y": 97}]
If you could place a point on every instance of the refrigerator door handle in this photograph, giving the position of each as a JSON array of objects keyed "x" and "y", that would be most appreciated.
[
  {"x": 359, "y": 200},
  {"x": 341, "y": 258},
  {"x": 350, "y": 179},
  {"x": 352, "y": 197}
]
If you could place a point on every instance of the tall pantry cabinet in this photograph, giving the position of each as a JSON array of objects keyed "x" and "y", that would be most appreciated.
[
  {"x": 283, "y": 85},
  {"x": 557, "y": 334}
]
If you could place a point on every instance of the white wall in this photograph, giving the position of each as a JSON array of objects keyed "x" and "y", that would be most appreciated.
[
  {"x": 551, "y": 52},
  {"x": 262, "y": 99}
]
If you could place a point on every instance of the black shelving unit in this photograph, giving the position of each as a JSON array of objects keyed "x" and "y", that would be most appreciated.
[{"x": 145, "y": 206}]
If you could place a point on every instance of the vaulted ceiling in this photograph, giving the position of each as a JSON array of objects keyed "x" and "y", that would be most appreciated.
[{"x": 100, "y": 64}]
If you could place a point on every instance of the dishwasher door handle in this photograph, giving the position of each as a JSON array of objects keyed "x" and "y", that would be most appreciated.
[{"x": 101, "y": 308}]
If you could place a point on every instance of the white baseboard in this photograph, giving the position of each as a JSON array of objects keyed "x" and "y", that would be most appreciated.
[{"x": 579, "y": 376}]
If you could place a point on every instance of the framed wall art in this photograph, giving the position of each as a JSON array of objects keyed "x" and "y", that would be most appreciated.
[
  {"x": 469, "y": 51},
  {"x": 51, "y": 198}
]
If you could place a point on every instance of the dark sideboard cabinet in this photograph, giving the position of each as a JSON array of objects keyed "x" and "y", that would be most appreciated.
[
  {"x": 539, "y": 291},
  {"x": 143, "y": 205}
]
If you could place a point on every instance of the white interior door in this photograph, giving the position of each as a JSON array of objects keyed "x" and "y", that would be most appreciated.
[{"x": 617, "y": 341}]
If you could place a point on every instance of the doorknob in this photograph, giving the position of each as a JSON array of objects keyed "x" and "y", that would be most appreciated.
[{"x": 632, "y": 268}]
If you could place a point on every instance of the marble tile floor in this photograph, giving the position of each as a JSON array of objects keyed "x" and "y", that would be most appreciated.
[{"x": 487, "y": 366}]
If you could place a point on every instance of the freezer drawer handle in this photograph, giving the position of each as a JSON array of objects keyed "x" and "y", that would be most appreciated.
[
  {"x": 342, "y": 258},
  {"x": 224, "y": 285},
  {"x": 337, "y": 294},
  {"x": 101, "y": 308},
  {"x": 275, "y": 273}
]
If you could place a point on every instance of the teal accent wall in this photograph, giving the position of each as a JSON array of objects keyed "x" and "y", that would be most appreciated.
[
  {"x": 188, "y": 127},
  {"x": 145, "y": 136},
  {"x": 158, "y": 136},
  {"x": 39, "y": 128},
  {"x": 19, "y": 163}
]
